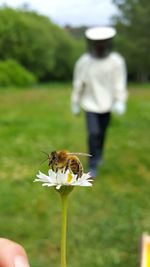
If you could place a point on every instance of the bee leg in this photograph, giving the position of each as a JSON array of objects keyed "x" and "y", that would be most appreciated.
[
  {"x": 55, "y": 169},
  {"x": 80, "y": 172},
  {"x": 52, "y": 168},
  {"x": 67, "y": 165}
]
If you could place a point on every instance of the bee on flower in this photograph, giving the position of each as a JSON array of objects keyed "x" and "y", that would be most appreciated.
[{"x": 65, "y": 170}]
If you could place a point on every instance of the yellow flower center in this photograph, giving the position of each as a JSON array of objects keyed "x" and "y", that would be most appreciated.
[{"x": 69, "y": 178}]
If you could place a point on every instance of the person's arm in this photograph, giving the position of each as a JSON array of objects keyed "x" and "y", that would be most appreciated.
[
  {"x": 12, "y": 254},
  {"x": 78, "y": 85},
  {"x": 120, "y": 87}
]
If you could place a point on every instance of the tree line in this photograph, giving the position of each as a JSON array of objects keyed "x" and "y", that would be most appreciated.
[
  {"x": 35, "y": 45},
  {"x": 133, "y": 40},
  {"x": 39, "y": 50}
]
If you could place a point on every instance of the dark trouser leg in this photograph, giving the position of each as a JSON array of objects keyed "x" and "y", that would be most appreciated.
[{"x": 97, "y": 125}]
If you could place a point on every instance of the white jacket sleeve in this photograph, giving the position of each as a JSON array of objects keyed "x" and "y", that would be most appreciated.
[
  {"x": 78, "y": 85},
  {"x": 120, "y": 86}
]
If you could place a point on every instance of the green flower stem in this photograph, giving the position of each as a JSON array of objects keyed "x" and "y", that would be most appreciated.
[{"x": 64, "y": 199}]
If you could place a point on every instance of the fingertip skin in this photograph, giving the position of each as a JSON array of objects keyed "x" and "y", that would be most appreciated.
[{"x": 9, "y": 251}]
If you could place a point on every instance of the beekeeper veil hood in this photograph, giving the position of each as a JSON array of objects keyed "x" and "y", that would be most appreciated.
[{"x": 99, "y": 40}]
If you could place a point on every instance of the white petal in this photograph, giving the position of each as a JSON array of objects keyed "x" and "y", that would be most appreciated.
[
  {"x": 85, "y": 176},
  {"x": 83, "y": 184},
  {"x": 43, "y": 177},
  {"x": 48, "y": 184},
  {"x": 52, "y": 174},
  {"x": 86, "y": 184},
  {"x": 84, "y": 181},
  {"x": 37, "y": 180},
  {"x": 58, "y": 186},
  {"x": 61, "y": 177}
]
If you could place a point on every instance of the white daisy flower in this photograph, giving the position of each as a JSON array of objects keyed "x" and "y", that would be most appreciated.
[{"x": 63, "y": 178}]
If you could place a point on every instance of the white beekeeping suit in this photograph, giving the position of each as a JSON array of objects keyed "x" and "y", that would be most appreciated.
[
  {"x": 100, "y": 85},
  {"x": 99, "y": 88}
]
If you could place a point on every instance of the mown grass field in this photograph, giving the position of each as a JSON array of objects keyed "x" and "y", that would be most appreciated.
[{"x": 106, "y": 221}]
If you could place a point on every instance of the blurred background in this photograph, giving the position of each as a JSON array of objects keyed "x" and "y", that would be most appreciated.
[{"x": 39, "y": 45}]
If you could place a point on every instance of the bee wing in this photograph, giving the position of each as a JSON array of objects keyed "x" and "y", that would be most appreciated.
[
  {"x": 43, "y": 161},
  {"x": 79, "y": 154},
  {"x": 45, "y": 152}
]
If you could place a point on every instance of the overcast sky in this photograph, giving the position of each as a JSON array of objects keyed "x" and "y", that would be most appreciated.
[{"x": 73, "y": 12}]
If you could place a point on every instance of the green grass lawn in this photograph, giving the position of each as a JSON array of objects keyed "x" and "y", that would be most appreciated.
[{"x": 106, "y": 221}]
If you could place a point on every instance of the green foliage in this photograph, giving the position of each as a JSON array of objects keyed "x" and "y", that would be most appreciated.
[
  {"x": 63, "y": 63},
  {"x": 36, "y": 43},
  {"x": 106, "y": 221},
  {"x": 12, "y": 73},
  {"x": 67, "y": 52},
  {"x": 133, "y": 24}
]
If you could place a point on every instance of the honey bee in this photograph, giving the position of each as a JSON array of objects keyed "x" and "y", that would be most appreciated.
[{"x": 65, "y": 159}]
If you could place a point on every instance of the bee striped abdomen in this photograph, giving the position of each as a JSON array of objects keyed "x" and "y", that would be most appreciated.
[{"x": 76, "y": 166}]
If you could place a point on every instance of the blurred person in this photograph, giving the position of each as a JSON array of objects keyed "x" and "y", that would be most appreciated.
[
  {"x": 12, "y": 254},
  {"x": 99, "y": 88}
]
